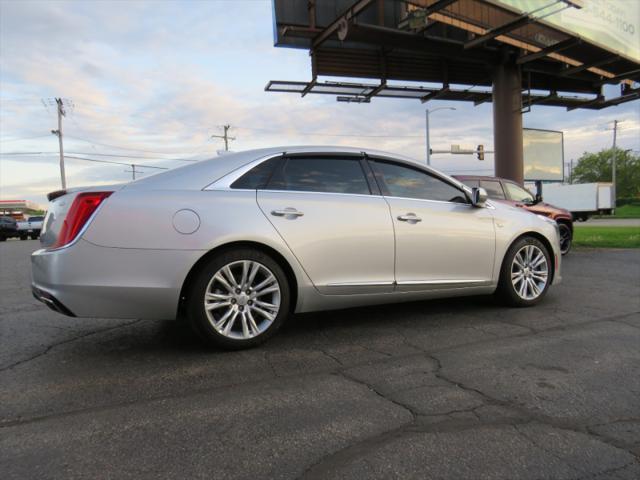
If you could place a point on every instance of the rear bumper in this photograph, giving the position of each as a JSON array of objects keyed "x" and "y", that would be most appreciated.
[{"x": 86, "y": 280}]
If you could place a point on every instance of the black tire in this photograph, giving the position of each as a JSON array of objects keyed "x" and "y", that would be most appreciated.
[
  {"x": 566, "y": 237},
  {"x": 23, "y": 237},
  {"x": 34, "y": 237},
  {"x": 3, "y": 238},
  {"x": 506, "y": 290},
  {"x": 194, "y": 303}
]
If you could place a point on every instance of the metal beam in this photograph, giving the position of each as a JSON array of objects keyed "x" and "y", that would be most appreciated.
[
  {"x": 308, "y": 88},
  {"x": 536, "y": 100},
  {"x": 344, "y": 19},
  {"x": 377, "y": 90},
  {"x": 588, "y": 103},
  {"x": 584, "y": 66},
  {"x": 556, "y": 47},
  {"x": 618, "y": 78},
  {"x": 485, "y": 98},
  {"x": 501, "y": 30},
  {"x": 435, "y": 95},
  {"x": 436, "y": 7}
]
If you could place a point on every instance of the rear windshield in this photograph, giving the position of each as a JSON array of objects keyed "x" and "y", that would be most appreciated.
[{"x": 36, "y": 219}]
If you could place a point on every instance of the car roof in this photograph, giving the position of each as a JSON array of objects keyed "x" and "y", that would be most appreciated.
[{"x": 198, "y": 175}]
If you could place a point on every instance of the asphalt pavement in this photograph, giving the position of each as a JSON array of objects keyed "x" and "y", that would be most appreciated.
[{"x": 451, "y": 389}]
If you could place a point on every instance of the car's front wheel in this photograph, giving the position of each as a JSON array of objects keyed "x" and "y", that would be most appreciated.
[
  {"x": 238, "y": 299},
  {"x": 526, "y": 273},
  {"x": 565, "y": 238}
]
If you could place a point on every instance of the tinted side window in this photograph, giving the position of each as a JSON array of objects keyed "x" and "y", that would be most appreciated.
[
  {"x": 493, "y": 188},
  {"x": 408, "y": 182},
  {"x": 258, "y": 176},
  {"x": 313, "y": 174}
]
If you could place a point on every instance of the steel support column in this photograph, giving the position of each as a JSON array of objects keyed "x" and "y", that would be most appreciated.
[{"x": 507, "y": 122}]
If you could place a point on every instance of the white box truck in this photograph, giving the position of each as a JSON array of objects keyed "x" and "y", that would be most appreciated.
[{"x": 581, "y": 199}]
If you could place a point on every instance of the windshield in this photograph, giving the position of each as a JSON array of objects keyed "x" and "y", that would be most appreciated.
[{"x": 518, "y": 194}]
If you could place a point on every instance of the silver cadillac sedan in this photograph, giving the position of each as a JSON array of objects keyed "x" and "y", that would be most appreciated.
[{"x": 238, "y": 243}]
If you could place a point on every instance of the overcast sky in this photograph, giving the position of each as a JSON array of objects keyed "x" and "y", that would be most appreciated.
[{"x": 156, "y": 79}]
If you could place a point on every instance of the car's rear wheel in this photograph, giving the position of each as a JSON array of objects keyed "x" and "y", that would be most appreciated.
[
  {"x": 238, "y": 299},
  {"x": 565, "y": 238},
  {"x": 526, "y": 273}
]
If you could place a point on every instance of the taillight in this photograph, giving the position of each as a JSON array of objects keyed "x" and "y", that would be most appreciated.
[{"x": 80, "y": 211}]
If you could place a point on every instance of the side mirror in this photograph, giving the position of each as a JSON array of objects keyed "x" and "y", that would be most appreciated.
[{"x": 478, "y": 196}]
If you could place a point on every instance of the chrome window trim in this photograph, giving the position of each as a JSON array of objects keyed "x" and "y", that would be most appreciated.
[
  {"x": 430, "y": 201},
  {"x": 311, "y": 192}
]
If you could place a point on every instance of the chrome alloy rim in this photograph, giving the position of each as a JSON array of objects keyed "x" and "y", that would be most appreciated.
[
  {"x": 565, "y": 238},
  {"x": 242, "y": 299},
  {"x": 529, "y": 272}
]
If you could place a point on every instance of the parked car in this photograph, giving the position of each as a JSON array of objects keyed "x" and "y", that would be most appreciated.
[
  {"x": 507, "y": 191},
  {"x": 30, "y": 227},
  {"x": 237, "y": 243},
  {"x": 8, "y": 228}
]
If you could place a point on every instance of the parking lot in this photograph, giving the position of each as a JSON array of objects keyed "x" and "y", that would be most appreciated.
[{"x": 454, "y": 389}]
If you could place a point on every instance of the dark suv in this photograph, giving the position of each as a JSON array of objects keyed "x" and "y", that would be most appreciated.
[
  {"x": 507, "y": 191},
  {"x": 8, "y": 228}
]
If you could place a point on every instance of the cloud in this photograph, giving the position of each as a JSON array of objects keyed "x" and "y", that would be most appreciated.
[{"x": 160, "y": 77}]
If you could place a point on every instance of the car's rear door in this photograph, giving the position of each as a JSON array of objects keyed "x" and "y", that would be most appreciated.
[
  {"x": 442, "y": 241},
  {"x": 327, "y": 210}
]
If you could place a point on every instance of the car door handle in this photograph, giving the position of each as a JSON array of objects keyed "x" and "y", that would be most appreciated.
[
  {"x": 287, "y": 212},
  {"x": 409, "y": 217}
]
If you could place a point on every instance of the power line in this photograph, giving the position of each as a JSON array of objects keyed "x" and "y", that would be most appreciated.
[
  {"x": 10, "y": 154},
  {"x": 115, "y": 163},
  {"x": 122, "y": 148},
  {"x": 23, "y": 138}
]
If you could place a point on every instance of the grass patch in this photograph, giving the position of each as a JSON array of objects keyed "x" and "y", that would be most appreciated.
[
  {"x": 606, "y": 237},
  {"x": 628, "y": 211}
]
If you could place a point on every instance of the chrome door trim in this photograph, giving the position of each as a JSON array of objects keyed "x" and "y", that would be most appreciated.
[
  {"x": 441, "y": 282},
  {"x": 361, "y": 284}
]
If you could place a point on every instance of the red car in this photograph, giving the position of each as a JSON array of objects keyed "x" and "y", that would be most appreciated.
[{"x": 507, "y": 191}]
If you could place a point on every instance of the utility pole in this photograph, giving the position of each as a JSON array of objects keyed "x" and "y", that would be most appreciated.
[
  {"x": 58, "y": 132},
  {"x": 613, "y": 163},
  {"x": 226, "y": 137},
  {"x": 132, "y": 171}
]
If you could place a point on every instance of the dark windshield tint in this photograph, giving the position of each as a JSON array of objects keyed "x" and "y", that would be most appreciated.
[
  {"x": 407, "y": 182},
  {"x": 328, "y": 175}
]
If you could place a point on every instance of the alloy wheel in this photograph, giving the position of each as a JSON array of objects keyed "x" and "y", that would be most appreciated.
[
  {"x": 565, "y": 238},
  {"x": 242, "y": 299},
  {"x": 529, "y": 272}
]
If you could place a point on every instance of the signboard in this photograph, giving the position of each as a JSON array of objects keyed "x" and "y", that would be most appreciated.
[
  {"x": 543, "y": 155},
  {"x": 611, "y": 24}
]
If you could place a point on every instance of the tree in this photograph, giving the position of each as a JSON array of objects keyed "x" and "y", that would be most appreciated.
[{"x": 596, "y": 167}]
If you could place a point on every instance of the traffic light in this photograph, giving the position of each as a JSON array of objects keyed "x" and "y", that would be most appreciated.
[{"x": 480, "y": 152}]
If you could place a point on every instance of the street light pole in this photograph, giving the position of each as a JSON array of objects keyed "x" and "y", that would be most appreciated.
[
  {"x": 613, "y": 161},
  {"x": 427, "y": 125}
]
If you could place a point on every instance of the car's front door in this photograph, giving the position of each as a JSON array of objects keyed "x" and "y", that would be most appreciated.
[
  {"x": 442, "y": 241},
  {"x": 341, "y": 233}
]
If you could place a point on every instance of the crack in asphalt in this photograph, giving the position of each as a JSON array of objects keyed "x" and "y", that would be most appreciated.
[{"x": 48, "y": 348}]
